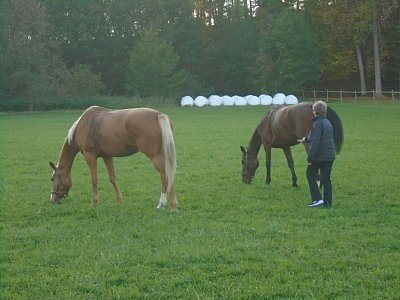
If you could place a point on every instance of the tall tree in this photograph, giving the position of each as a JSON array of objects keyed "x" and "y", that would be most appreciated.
[
  {"x": 390, "y": 30},
  {"x": 356, "y": 16},
  {"x": 382, "y": 9},
  {"x": 377, "y": 63},
  {"x": 357, "y": 22},
  {"x": 102, "y": 33},
  {"x": 237, "y": 42},
  {"x": 2, "y": 48},
  {"x": 333, "y": 23},
  {"x": 292, "y": 53},
  {"x": 153, "y": 68},
  {"x": 95, "y": 33},
  {"x": 31, "y": 57}
]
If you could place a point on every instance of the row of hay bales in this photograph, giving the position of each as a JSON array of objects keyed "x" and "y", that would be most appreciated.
[{"x": 215, "y": 100}]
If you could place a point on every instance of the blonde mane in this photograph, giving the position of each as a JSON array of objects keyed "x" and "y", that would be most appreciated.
[{"x": 71, "y": 131}]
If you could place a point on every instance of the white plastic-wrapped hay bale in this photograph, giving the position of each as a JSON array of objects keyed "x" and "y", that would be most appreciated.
[
  {"x": 265, "y": 99},
  {"x": 187, "y": 101},
  {"x": 239, "y": 101},
  {"x": 227, "y": 101},
  {"x": 215, "y": 100},
  {"x": 200, "y": 101},
  {"x": 279, "y": 98},
  {"x": 291, "y": 99},
  {"x": 252, "y": 100}
]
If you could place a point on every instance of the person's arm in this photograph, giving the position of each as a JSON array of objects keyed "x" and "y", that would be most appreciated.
[{"x": 315, "y": 137}]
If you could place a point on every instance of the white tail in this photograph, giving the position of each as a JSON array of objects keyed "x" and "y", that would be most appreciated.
[{"x": 168, "y": 148}]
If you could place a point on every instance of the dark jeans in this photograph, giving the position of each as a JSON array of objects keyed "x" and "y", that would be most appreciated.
[{"x": 312, "y": 176}]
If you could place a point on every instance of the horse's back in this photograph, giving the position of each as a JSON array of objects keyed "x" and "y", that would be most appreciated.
[
  {"x": 119, "y": 132},
  {"x": 283, "y": 125},
  {"x": 135, "y": 127}
]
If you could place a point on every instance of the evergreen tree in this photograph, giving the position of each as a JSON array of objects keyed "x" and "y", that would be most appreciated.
[
  {"x": 153, "y": 68},
  {"x": 292, "y": 54}
]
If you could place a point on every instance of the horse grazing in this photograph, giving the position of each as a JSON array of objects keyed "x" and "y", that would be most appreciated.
[
  {"x": 281, "y": 128},
  {"x": 101, "y": 132}
]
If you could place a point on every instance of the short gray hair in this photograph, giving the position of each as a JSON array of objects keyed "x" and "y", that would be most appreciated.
[{"x": 320, "y": 108}]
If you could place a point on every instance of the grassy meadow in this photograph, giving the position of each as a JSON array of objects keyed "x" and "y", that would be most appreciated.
[{"x": 227, "y": 240}]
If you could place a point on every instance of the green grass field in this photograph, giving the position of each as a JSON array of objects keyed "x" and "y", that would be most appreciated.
[{"x": 227, "y": 240}]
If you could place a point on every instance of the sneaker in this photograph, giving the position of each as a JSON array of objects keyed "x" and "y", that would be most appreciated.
[{"x": 316, "y": 203}]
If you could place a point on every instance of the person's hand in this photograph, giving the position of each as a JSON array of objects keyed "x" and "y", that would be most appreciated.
[{"x": 301, "y": 140}]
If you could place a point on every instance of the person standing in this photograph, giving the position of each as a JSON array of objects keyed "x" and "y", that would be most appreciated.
[{"x": 320, "y": 156}]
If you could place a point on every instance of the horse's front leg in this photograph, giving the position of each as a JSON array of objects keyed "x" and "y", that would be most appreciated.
[
  {"x": 108, "y": 161},
  {"x": 289, "y": 158},
  {"x": 267, "y": 149},
  {"x": 91, "y": 161}
]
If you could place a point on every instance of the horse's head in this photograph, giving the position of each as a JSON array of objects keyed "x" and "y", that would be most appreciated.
[
  {"x": 249, "y": 166},
  {"x": 60, "y": 186}
]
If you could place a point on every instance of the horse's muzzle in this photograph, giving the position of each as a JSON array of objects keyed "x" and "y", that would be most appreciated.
[
  {"x": 246, "y": 179},
  {"x": 54, "y": 198}
]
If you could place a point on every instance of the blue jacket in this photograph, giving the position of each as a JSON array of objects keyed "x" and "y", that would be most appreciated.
[{"x": 322, "y": 146}]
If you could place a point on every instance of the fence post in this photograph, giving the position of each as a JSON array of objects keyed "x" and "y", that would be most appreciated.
[
  {"x": 373, "y": 95},
  {"x": 314, "y": 95},
  {"x": 355, "y": 95},
  {"x": 341, "y": 96},
  {"x": 327, "y": 95},
  {"x": 393, "y": 96}
]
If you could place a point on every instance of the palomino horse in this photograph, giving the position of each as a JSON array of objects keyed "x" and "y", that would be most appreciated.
[
  {"x": 281, "y": 127},
  {"x": 101, "y": 132}
]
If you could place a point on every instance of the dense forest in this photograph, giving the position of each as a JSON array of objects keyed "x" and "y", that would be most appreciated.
[{"x": 56, "y": 49}]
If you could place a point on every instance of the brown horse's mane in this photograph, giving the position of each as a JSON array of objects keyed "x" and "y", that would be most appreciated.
[{"x": 274, "y": 108}]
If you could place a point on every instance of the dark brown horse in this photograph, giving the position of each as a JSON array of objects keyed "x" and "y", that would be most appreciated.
[
  {"x": 282, "y": 127},
  {"x": 101, "y": 132}
]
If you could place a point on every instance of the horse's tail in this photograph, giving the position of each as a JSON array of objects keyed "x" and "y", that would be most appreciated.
[
  {"x": 338, "y": 136},
  {"x": 168, "y": 150}
]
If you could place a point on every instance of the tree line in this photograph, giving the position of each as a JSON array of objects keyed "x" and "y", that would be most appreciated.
[{"x": 55, "y": 49}]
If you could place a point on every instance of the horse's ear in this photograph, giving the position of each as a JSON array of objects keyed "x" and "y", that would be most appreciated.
[
  {"x": 243, "y": 149},
  {"x": 52, "y": 165}
]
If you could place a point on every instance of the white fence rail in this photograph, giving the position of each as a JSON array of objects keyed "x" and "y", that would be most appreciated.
[{"x": 355, "y": 95}]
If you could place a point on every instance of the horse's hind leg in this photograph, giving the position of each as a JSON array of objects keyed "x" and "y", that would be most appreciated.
[
  {"x": 289, "y": 158},
  {"x": 172, "y": 197},
  {"x": 158, "y": 163},
  {"x": 108, "y": 161}
]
